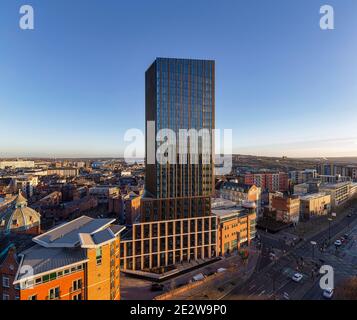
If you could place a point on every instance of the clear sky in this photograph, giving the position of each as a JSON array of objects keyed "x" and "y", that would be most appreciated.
[{"x": 75, "y": 84}]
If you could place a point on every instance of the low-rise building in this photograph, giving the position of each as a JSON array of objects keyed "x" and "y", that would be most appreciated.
[
  {"x": 353, "y": 189},
  {"x": 339, "y": 192},
  {"x": 18, "y": 164},
  {"x": 284, "y": 208},
  {"x": 17, "y": 217},
  {"x": 307, "y": 187},
  {"x": 240, "y": 193},
  {"x": 63, "y": 172},
  {"x": 317, "y": 204},
  {"x": 104, "y": 193},
  {"x": 236, "y": 224},
  {"x": 302, "y": 176},
  {"x": 127, "y": 207}
]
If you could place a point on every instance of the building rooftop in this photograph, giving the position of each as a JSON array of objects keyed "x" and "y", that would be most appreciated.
[
  {"x": 15, "y": 215},
  {"x": 234, "y": 186},
  {"x": 223, "y": 208},
  {"x": 334, "y": 185},
  {"x": 67, "y": 235},
  {"x": 40, "y": 260},
  {"x": 66, "y": 245},
  {"x": 313, "y": 196}
]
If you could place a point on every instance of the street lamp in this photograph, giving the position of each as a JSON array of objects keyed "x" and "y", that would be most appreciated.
[
  {"x": 329, "y": 229},
  {"x": 313, "y": 243}
]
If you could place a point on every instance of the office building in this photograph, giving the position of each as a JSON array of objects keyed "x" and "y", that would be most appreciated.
[
  {"x": 313, "y": 205},
  {"x": 236, "y": 224},
  {"x": 175, "y": 224}
]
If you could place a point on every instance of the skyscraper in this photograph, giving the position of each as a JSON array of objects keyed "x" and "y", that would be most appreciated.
[
  {"x": 175, "y": 224},
  {"x": 180, "y": 94}
]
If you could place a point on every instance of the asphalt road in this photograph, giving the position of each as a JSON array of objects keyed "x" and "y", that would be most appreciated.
[{"x": 272, "y": 280}]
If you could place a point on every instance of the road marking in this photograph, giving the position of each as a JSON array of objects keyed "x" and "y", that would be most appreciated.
[{"x": 261, "y": 293}]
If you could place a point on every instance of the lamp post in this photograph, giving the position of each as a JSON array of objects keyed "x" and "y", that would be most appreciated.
[
  {"x": 329, "y": 229},
  {"x": 313, "y": 243}
]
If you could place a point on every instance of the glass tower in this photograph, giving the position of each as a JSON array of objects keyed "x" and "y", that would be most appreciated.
[{"x": 180, "y": 94}]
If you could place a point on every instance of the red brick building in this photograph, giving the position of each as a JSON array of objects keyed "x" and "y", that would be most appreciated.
[{"x": 268, "y": 181}]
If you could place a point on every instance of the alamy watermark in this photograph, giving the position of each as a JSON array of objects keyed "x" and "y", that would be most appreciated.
[
  {"x": 27, "y": 17},
  {"x": 327, "y": 281},
  {"x": 327, "y": 21},
  {"x": 185, "y": 146}
]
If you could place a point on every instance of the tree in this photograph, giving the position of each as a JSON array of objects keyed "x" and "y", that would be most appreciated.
[{"x": 347, "y": 290}]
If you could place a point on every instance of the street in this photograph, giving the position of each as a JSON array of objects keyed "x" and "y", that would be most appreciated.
[{"x": 272, "y": 279}]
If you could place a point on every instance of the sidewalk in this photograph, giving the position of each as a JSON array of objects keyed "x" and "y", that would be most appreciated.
[{"x": 217, "y": 286}]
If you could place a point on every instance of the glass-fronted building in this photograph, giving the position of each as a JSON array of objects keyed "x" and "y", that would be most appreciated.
[{"x": 175, "y": 224}]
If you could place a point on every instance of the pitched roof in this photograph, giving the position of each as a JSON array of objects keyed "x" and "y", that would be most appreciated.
[{"x": 39, "y": 260}]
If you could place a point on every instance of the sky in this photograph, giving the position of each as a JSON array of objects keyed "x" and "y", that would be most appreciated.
[{"x": 73, "y": 86}]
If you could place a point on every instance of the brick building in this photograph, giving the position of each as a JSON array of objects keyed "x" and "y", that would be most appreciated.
[
  {"x": 268, "y": 181},
  {"x": 284, "y": 208},
  {"x": 79, "y": 260}
]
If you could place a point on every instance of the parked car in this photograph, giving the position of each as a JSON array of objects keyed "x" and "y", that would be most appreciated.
[
  {"x": 220, "y": 270},
  {"x": 157, "y": 287},
  {"x": 349, "y": 215},
  {"x": 297, "y": 277},
  {"x": 328, "y": 293},
  {"x": 338, "y": 243},
  {"x": 198, "y": 277}
]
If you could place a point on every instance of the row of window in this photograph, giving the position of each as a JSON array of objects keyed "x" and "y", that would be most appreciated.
[{"x": 50, "y": 277}]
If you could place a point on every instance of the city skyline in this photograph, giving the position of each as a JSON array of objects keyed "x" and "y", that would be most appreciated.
[{"x": 287, "y": 91}]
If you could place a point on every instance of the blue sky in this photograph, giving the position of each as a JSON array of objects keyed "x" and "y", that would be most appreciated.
[{"x": 75, "y": 84}]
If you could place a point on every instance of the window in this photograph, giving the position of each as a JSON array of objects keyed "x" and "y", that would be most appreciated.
[
  {"x": 99, "y": 255},
  {"x": 77, "y": 297},
  {"x": 54, "y": 293},
  {"x": 33, "y": 297},
  {"x": 77, "y": 284},
  {"x": 5, "y": 297},
  {"x": 5, "y": 282}
]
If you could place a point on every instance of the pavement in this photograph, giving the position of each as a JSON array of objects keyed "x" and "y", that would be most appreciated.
[{"x": 214, "y": 288}]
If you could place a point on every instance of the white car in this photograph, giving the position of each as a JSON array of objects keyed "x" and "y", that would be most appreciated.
[
  {"x": 297, "y": 277},
  {"x": 338, "y": 243},
  {"x": 328, "y": 293}
]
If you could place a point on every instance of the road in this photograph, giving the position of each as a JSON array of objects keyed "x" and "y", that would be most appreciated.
[{"x": 272, "y": 280}]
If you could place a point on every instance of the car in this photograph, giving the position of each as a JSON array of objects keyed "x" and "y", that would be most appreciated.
[
  {"x": 327, "y": 293},
  {"x": 346, "y": 236},
  {"x": 349, "y": 215},
  {"x": 198, "y": 277},
  {"x": 338, "y": 243},
  {"x": 342, "y": 239},
  {"x": 297, "y": 277},
  {"x": 157, "y": 287}
]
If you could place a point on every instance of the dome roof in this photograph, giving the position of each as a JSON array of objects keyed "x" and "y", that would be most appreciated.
[{"x": 17, "y": 216}]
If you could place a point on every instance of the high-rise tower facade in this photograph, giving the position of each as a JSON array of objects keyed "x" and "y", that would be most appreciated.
[
  {"x": 180, "y": 95},
  {"x": 175, "y": 224}
]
